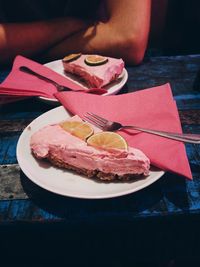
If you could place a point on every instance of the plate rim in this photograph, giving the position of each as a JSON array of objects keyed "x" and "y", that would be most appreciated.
[
  {"x": 51, "y": 100},
  {"x": 158, "y": 175}
]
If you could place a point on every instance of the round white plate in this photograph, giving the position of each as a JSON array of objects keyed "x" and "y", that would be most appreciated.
[
  {"x": 113, "y": 88},
  {"x": 65, "y": 182}
]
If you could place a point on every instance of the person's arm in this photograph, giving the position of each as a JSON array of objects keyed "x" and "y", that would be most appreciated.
[
  {"x": 31, "y": 39},
  {"x": 124, "y": 34}
]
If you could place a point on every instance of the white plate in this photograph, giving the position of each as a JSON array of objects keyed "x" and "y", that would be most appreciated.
[
  {"x": 113, "y": 88},
  {"x": 64, "y": 182}
]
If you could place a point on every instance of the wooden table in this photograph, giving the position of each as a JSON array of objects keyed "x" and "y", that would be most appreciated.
[{"x": 156, "y": 224}]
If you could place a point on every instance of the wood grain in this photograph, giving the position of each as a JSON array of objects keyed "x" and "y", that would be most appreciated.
[{"x": 21, "y": 200}]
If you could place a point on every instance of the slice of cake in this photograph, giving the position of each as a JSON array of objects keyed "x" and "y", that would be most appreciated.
[
  {"x": 75, "y": 145},
  {"x": 96, "y": 71}
]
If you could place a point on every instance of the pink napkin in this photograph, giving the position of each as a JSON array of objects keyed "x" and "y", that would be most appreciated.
[
  {"x": 152, "y": 108},
  {"x": 22, "y": 84}
]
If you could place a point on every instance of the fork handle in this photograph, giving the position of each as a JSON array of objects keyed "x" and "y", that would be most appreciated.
[
  {"x": 30, "y": 71},
  {"x": 60, "y": 88},
  {"x": 188, "y": 138}
]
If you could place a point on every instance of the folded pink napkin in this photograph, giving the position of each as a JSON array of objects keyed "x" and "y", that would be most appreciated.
[
  {"x": 22, "y": 84},
  {"x": 152, "y": 108}
]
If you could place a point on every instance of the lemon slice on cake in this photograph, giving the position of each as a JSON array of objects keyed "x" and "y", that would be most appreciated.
[
  {"x": 79, "y": 129},
  {"x": 108, "y": 141},
  {"x": 71, "y": 57},
  {"x": 95, "y": 60}
]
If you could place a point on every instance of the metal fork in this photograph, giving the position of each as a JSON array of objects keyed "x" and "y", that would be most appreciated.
[
  {"x": 107, "y": 125},
  {"x": 60, "y": 88}
]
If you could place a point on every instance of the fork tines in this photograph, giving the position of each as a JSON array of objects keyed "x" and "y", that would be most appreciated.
[{"x": 95, "y": 120}]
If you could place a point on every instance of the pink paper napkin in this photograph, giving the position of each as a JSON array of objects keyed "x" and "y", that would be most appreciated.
[
  {"x": 22, "y": 84},
  {"x": 152, "y": 108}
]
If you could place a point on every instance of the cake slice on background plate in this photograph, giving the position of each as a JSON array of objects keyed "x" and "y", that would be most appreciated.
[
  {"x": 79, "y": 146},
  {"x": 95, "y": 70}
]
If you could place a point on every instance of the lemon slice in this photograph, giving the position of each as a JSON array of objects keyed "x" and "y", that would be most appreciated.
[
  {"x": 107, "y": 141},
  {"x": 77, "y": 128},
  {"x": 95, "y": 60},
  {"x": 71, "y": 57}
]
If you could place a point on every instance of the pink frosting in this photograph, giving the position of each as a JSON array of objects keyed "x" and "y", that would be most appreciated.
[
  {"x": 95, "y": 76},
  {"x": 55, "y": 141}
]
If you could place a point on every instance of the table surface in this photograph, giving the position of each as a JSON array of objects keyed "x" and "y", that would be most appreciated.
[
  {"x": 160, "y": 221},
  {"x": 21, "y": 200}
]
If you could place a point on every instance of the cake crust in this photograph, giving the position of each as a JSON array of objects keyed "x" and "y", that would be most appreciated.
[
  {"x": 62, "y": 149},
  {"x": 91, "y": 173}
]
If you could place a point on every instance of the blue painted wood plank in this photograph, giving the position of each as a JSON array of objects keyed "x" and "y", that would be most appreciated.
[
  {"x": 188, "y": 101},
  {"x": 3, "y": 74},
  {"x": 20, "y": 115},
  {"x": 25, "y": 109},
  {"x": 8, "y": 149},
  {"x": 143, "y": 204}
]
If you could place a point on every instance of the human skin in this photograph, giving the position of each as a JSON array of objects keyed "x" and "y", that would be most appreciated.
[
  {"x": 124, "y": 34},
  {"x": 31, "y": 39}
]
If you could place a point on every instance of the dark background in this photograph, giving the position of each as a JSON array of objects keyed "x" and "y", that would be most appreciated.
[{"x": 181, "y": 34}]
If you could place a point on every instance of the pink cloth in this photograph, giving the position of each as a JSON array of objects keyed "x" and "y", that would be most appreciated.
[
  {"x": 152, "y": 108},
  {"x": 22, "y": 84}
]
